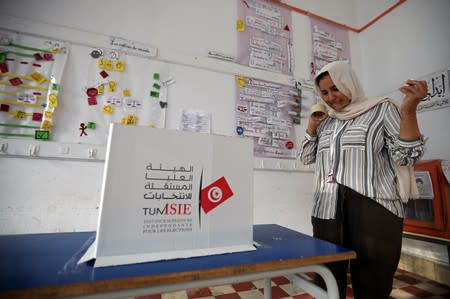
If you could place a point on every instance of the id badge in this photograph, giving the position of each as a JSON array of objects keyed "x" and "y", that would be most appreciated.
[{"x": 329, "y": 177}]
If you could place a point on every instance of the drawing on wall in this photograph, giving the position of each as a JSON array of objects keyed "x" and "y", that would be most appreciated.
[
  {"x": 266, "y": 112},
  {"x": 30, "y": 74},
  {"x": 124, "y": 89},
  {"x": 264, "y": 36},
  {"x": 438, "y": 91}
]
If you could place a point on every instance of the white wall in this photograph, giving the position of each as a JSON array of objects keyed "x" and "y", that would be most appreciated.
[
  {"x": 64, "y": 195},
  {"x": 48, "y": 195}
]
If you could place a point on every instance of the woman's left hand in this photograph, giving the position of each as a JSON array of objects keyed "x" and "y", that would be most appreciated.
[{"x": 415, "y": 91}]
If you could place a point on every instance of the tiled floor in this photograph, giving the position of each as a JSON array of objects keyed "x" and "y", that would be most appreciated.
[{"x": 406, "y": 286}]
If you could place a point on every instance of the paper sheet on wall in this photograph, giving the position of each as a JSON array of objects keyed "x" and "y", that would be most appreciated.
[
  {"x": 264, "y": 36},
  {"x": 266, "y": 112},
  {"x": 438, "y": 91}
]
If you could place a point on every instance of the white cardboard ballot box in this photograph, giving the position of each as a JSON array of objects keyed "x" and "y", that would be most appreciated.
[{"x": 172, "y": 194}]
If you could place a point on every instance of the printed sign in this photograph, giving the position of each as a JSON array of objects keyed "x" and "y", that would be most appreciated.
[{"x": 171, "y": 194}]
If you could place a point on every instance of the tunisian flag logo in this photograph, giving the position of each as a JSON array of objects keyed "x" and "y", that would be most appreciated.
[{"x": 215, "y": 194}]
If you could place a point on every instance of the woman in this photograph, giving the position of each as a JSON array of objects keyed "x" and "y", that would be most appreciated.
[{"x": 364, "y": 152}]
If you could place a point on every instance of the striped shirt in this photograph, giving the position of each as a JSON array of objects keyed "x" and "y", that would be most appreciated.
[{"x": 359, "y": 153}]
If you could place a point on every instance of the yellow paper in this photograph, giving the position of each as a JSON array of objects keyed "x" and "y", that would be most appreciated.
[
  {"x": 19, "y": 114},
  {"x": 101, "y": 89},
  {"x": 46, "y": 124},
  {"x": 39, "y": 78},
  {"x": 107, "y": 109},
  {"x": 120, "y": 66},
  {"x": 48, "y": 114},
  {"x": 240, "y": 25},
  {"x": 53, "y": 100},
  {"x": 241, "y": 81},
  {"x": 109, "y": 65},
  {"x": 101, "y": 63},
  {"x": 129, "y": 120},
  {"x": 112, "y": 86},
  {"x": 126, "y": 93}
]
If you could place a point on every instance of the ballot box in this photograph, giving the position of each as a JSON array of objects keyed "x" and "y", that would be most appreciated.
[{"x": 170, "y": 194}]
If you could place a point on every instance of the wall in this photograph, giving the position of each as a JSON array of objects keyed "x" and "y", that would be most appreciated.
[
  {"x": 410, "y": 42},
  {"x": 39, "y": 195}
]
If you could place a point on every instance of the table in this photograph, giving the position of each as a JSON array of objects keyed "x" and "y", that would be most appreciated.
[{"x": 45, "y": 266}]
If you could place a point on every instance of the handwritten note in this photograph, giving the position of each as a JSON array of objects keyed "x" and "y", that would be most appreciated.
[{"x": 135, "y": 48}]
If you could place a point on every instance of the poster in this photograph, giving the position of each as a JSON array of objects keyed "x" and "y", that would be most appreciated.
[
  {"x": 438, "y": 91},
  {"x": 264, "y": 36},
  {"x": 266, "y": 112},
  {"x": 329, "y": 43}
]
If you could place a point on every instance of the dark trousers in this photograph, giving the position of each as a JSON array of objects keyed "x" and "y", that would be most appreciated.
[{"x": 374, "y": 233}]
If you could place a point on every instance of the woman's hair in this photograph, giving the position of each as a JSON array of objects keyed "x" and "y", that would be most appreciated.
[{"x": 321, "y": 76}]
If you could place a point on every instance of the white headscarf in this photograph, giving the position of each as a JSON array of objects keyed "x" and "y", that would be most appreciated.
[{"x": 346, "y": 81}]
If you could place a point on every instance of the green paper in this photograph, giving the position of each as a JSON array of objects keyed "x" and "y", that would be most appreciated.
[{"x": 43, "y": 135}]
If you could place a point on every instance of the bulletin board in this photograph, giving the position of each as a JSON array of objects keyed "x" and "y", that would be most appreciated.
[
  {"x": 39, "y": 100},
  {"x": 30, "y": 80}
]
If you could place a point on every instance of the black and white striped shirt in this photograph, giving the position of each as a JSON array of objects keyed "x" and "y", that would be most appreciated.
[{"x": 364, "y": 149}]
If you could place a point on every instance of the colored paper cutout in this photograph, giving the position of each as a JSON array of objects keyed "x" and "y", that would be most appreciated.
[
  {"x": 19, "y": 114},
  {"x": 120, "y": 66},
  {"x": 126, "y": 93},
  {"x": 4, "y": 107},
  {"x": 104, "y": 74},
  {"x": 36, "y": 116},
  {"x": 3, "y": 67},
  {"x": 55, "y": 86},
  {"x": 48, "y": 114},
  {"x": 53, "y": 100},
  {"x": 108, "y": 65},
  {"x": 129, "y": 120},
  {"x": 240, "y": 25},
  {"x": 241, "y": 81},
  {"x": 107, "y": 109},
  {"x": 92, "y": 101},
  {"x": 101, "y": 89},
  {"x": 38, "y": 77},
  {"x": 42, "y": 135},
  {"x": 112, "y": 86},
  {"x": 15, "y": 81},
  {"x": 46, "y": 124},
  {"x": 101, "y": 63},
  {"x": 37, "y": 56}
]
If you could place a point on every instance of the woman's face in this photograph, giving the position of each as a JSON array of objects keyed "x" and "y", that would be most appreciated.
[{"x": 331, "y": 95}]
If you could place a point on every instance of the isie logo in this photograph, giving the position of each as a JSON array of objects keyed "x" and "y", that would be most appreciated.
[{"x": 215, "y": 194}]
